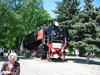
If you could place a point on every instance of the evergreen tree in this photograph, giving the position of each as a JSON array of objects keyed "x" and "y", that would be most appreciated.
[
  {"x": 87, "y": 31},
  {"x": 67, "y": 11}
]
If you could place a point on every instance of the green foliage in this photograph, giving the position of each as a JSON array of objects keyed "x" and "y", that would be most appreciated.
[
  {"x": 19, "y": 18},
  {"x": 66, "y": 54},
  {"x": 67, "y": 11},
  {"x": 87, "y": 30}
]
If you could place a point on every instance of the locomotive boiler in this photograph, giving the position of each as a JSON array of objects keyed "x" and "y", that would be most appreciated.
[{"x": 47, "y": 41}]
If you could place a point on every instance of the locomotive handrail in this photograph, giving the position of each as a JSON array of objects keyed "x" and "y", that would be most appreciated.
[{"x": 65, "y": 40}]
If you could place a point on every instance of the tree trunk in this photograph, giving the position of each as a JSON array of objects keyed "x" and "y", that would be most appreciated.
[
  {"x": 21, "y": 47},
  {"x": 88, "y": 57}
]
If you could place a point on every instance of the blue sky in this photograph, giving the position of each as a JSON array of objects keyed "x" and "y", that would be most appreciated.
[{"x": 50, "y": 5}]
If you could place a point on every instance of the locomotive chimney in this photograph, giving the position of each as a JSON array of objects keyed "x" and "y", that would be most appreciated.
[{"x": 50, "y": 22}]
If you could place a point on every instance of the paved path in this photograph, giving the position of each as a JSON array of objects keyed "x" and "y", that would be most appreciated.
[
  {"x": 43, "y": 67},
  {"x": 71, "y": 66}
]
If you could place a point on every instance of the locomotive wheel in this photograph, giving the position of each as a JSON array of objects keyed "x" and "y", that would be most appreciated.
[
  {"x": 41, "y": 57},
  {"x": 48, "y": 57}
]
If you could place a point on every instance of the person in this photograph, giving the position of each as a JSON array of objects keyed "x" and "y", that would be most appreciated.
[
  {"x": 11, "y": 67},
  {"x": 2, "y": 52}
]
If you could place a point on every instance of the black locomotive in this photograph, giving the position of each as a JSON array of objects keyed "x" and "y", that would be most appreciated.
[{"x": 47, "y": 41}]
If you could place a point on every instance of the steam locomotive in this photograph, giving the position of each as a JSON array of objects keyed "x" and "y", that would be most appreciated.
[{"x": 47, "y": 41}]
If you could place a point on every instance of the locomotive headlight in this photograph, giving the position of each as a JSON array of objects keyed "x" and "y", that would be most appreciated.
[
  {"x": 53, "y": 50},
  {"x": 56, "y": 23}
]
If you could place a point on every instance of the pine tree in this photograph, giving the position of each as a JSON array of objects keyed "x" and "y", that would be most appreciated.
[
  {"x": 67, "y": 10},
  {"x": 87, "y": 35}
]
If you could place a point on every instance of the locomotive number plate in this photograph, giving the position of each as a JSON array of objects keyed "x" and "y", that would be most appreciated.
[{"x": 56, "y": 45}]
